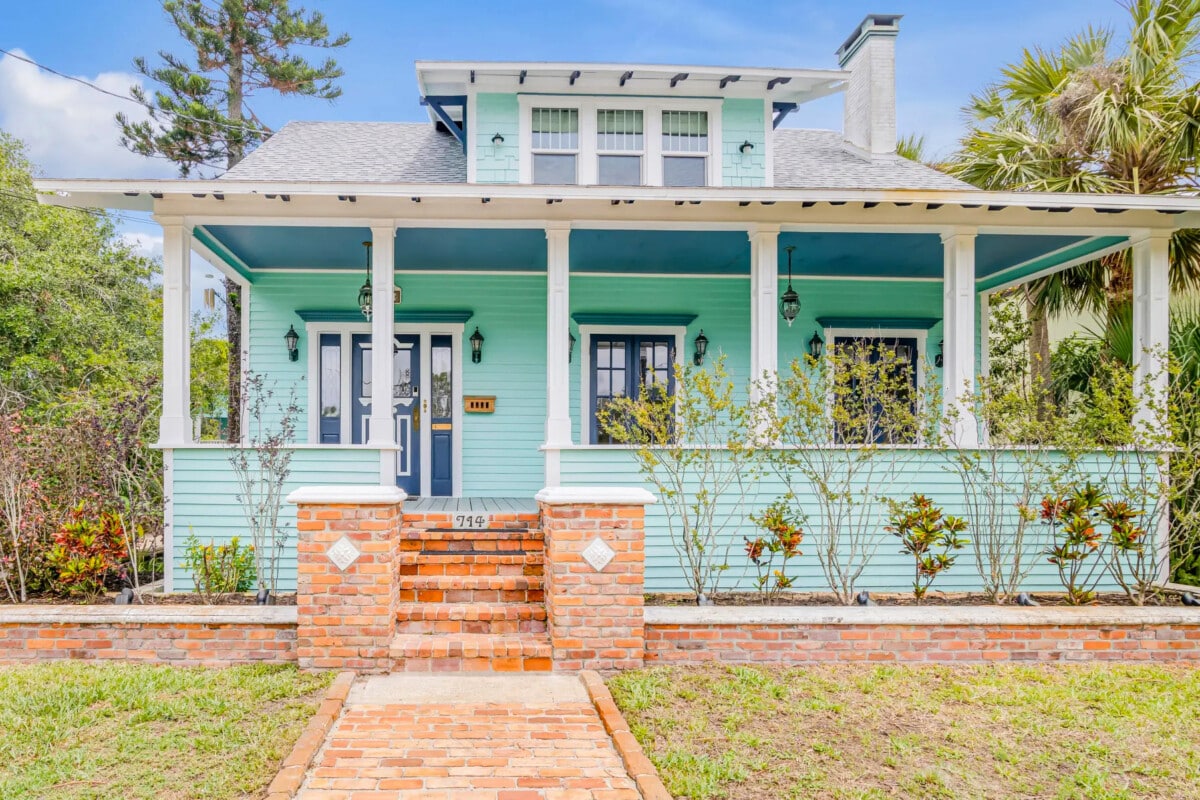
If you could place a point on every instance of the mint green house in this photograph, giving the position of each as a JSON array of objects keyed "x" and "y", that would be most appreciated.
[{"x": 555, "y": 232}]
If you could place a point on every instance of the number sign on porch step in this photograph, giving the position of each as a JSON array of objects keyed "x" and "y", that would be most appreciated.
[{"x": 470, "y": 521}]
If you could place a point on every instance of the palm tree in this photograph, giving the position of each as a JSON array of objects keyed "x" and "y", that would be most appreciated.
[{"x": 1086, "y": 119}]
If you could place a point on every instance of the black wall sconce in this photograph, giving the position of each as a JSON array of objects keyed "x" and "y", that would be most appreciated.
[
  {"x": 497, "y": 140},
  {"x": 476, "y": 346},
  {"x": 816, "y": 345},
  {"x": 745, "y": 147},
  {"x": 940, "y": 358},
  {"x": 293, "y": 343},
  {"x": 701, "y": 348},
  {"x": 570, "y": 347}
]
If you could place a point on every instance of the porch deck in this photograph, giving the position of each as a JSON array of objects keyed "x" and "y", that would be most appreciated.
[{"x": 470, "y": 505}]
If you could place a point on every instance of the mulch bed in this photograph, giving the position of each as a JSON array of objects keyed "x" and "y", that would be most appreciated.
[
  {"x": 175, "y": 599},
  {"x": 1165, "y": 598}
]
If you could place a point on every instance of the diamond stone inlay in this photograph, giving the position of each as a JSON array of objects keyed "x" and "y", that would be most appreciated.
[
  {"x": 343, "y": 553},
  {"x": 598, "y": 554}
]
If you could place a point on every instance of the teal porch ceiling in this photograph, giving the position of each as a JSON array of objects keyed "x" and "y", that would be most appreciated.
[{"x": 1000, "y": 258}]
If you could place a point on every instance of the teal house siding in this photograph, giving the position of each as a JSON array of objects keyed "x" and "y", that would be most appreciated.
[
  {"x": 496, "y": 113},
  {"x": 205, "y": 498},
  {"x": 924, "y": 471},
  {"x": 743, "y": 120}
]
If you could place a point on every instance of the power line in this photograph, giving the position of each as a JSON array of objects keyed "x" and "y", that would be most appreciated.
[{"x": 179, "y": 114}]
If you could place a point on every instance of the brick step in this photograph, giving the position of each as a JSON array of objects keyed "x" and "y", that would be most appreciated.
[
  {"x": 479, "y": 566},
  {"x": 491, "y": 522},
  {"x": 450, "y": 618},
  {"x": 454, "y": 535},
  {"x": 504, "y": 557},
  {"x": 470, "y": 589},
  {"x": 471, "y": 652}
]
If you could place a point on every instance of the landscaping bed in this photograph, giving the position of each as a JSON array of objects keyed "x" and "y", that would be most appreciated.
[
  {"x": 72, "y": 731},
  {"x": 1165, "y": 598},
  {"x": 173, "y": 599},
  {"x": 1104, "y": 731}
]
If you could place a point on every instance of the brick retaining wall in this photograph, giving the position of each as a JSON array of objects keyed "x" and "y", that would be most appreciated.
[{"x": 212, "y": 636}]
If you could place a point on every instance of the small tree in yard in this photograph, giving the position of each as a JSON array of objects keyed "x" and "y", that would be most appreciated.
[
  {"x": 692, "y": 447},
  {"x": 261, "y": 468},
  {"x": 844, "y": 428},
  {"x": 928, "y": 536}
]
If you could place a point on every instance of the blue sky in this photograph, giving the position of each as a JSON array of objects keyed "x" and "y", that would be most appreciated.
[{"x": 946, "y": 50}]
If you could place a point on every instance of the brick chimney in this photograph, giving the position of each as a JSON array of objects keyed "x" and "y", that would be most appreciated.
[{"x": 870, "y": 55}]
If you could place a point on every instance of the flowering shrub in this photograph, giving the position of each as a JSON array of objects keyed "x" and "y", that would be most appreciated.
[
  {"x": 784, "y": 534},
  {"x": 88, "y": 550},
  {"x": 1072, "y": 519},
  {"x": 219, "y": 568},
  {"x": 928, "y": 536}
]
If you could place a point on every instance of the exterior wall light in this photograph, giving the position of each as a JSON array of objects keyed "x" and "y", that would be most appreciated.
[
  {"x": 746, "y": 147},
  {"x": 570, "y": 347},
  {"x": 789, "y": 303},
  {"x": 476, "y": 346},
  {"x": 701, "y": 348},
  {"x": 497, "y": 140},
  {"x": 364, "y": 294},
  {"x": 816, "y": 345},
  {"x": 940, "y": 358},
  {"x": 292, "y": 339}
]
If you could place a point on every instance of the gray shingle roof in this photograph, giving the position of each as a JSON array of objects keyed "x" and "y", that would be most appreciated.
[
  {"x": 416, "y": 152},
  {"x": 356, "y": 152},
  {"x": 818, "y": 159}
]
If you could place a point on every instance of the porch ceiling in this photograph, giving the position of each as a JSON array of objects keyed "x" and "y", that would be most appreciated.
[{"x": 1000, "y": 258}]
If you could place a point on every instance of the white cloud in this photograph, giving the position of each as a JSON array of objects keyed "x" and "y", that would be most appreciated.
[
  {"x": 148, "y": 245},
  {"x": 68, "y": 128}
]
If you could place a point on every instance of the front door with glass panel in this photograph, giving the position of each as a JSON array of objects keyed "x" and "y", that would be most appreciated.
[{"x": 406, "y": 397}]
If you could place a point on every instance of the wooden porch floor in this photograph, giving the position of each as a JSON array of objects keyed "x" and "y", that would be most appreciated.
[{"x": 470, "y": 505}]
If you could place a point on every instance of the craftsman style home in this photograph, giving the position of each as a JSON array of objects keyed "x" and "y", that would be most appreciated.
[{"x": 554, "y": 234}]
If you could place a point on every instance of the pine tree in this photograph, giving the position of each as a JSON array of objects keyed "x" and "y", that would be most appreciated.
[{"x": 200, "y": 114}]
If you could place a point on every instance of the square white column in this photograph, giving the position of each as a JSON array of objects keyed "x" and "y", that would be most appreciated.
[
  {"x": 958, "y": 331},
  {"x": 558, "y": 318},
  {"x": 175, "y": 424},
  {"x": 382, "y": 430},
  {"x": 1151, "y": 326},
  {"x": 764, "y": 306}
]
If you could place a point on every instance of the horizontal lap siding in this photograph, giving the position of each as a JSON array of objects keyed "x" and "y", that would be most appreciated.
[
  {"x": 925, "y": 472},
  {"x": 206, "y": 501}
]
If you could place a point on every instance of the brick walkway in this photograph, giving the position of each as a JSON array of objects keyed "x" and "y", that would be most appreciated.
[{"x": 468, "y": 738}]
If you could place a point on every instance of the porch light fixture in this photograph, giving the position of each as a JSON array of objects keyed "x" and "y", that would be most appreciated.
[
  {"x": 364, "y": 294},
  {"x": 570, "y": 346},
  {"x": 746, "y": 147},
  {"x": 497, "y": 140},
  {"x": 293, "y": 343},
  {"x": 816, "y": 345},
  {"x": 940, "y": 358},
  {"x": 789, "y": 303},
  {"x": 701, "y": 348},
  {"x": 476, "y": 346}
]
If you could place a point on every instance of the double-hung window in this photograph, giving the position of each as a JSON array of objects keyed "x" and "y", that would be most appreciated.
[
  {"x": 620, "y": 144},
  {"x": 626, "y": 366},
  {"x": 685, "y": 148},
  {"x": 555, "y": 145}
]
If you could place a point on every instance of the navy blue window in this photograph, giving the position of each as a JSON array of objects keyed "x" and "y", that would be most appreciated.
[
  {"x": 623, "y": 365},
  {"x": 871, "y": 426}
]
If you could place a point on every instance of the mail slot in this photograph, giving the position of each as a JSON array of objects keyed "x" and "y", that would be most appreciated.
[
  {"x": 479, "y": 404},
  {"x": 441, "y": 426}
]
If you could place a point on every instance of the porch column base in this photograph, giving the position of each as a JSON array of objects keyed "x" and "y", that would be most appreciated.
[
  {"x": 346, "y": 584},
  {"x": 175, "y": 431},
  {"x": 595, "y": 615}
]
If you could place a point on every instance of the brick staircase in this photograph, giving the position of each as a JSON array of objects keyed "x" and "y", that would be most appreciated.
[{"x": 470, "y": 600}]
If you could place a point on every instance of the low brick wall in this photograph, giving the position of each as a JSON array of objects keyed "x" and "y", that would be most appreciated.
[
  {"x": 905, "y": 634},
  {"x": 212, "y": 636}
]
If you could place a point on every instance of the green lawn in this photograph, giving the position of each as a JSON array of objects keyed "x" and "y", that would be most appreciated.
[
  {"x": 1063, "y": 732},
  {"x": 71, "y": 731}
]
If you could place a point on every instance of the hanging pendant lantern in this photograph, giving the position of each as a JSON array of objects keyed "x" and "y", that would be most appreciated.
[
  {"x": 789, "y": 303},
  {"x": 365, "y": 295}
]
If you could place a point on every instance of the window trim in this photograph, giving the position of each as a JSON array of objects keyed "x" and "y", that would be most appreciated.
[
  {"x": 587, "y": 166},
  {"x": 586, "y": 332}
]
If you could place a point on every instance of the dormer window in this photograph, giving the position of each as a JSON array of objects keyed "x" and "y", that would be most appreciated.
[
  {"x": 620, "y": 144},
  {"x": 555, "y": 145},
  {"x": 685, "y": 145}
]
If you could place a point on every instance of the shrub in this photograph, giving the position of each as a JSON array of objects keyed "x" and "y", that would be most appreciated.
[
  {"x": 928, "y": 536},
  {"x": 783, "y": 536},
  {"x": 219, "y": 569},
  {"x": 1072, "y": 520},
  {"x": 88, "y": 550}
]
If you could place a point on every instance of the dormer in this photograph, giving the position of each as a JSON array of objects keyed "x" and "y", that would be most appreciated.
[{"x": 617, "y": 124}]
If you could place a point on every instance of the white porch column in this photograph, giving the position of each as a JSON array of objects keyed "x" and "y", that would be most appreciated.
[
  {"x": 558, "y": 317},
  {"x": 764, "y": 304},
  {"x": 958, "y": 330},
  {"x": 175, "y": 424},
  {"x": 382, "y": 429},
  {"x": 1151, "y": 316}
]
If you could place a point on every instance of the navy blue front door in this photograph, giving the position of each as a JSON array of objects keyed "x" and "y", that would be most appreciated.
[{"x": 406, "y": 402}]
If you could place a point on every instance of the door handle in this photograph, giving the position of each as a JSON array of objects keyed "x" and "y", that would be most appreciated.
[{"x": 416, "y": 416}]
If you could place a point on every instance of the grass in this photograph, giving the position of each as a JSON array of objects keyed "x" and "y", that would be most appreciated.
[
  {"x": 867, "y": 733},
  {"x": 76, "y": 731}
]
